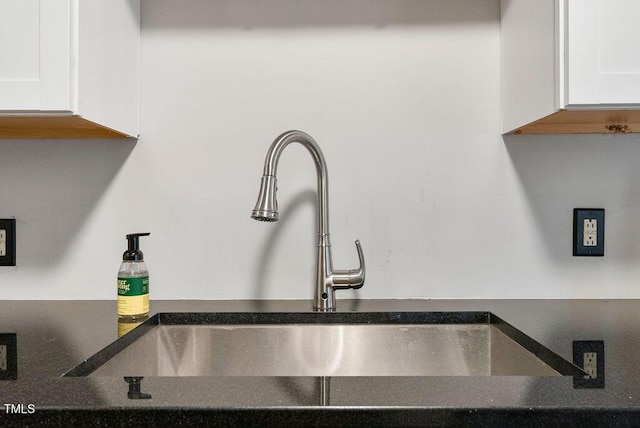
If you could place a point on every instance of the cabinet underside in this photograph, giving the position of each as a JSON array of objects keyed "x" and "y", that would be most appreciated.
[
  {"x": 67, "y": 127},
  {"x": 584, "y": 122}
]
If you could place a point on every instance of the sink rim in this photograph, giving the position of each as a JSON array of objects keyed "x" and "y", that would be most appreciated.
[{"x": 550, "y": 358}]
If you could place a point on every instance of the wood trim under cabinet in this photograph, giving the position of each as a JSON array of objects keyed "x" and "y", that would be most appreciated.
[
  {"x": 584, "y": 122},
  {"x": 59, "y": 127}
]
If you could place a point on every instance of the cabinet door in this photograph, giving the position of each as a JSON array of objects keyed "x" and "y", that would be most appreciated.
[
  {"x": 35, "y": 48},
  {"x": 603, "y": 45}
]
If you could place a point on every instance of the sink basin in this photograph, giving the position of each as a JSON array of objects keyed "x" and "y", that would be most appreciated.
[{"x": 325, "y": 344}]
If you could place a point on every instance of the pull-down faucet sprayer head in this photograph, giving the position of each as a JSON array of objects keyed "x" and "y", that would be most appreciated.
[{"x": 267, "y": 206}]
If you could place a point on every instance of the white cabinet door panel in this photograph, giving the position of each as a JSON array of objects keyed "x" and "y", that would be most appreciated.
[
  {"x": 604, "y": 52},
  {"x": 35, "y": 47}
]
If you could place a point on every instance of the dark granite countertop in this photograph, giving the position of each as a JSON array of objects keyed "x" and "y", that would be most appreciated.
[{"x": 54, "y": 336}]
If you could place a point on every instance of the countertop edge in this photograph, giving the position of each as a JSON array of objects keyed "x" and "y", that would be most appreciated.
[{"x": 325, "y": 416}]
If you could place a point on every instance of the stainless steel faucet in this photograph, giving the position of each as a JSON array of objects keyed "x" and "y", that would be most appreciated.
[{"x": 327, "y": 279}]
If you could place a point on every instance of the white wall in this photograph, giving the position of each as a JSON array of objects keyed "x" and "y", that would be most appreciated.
[{"x": 402, "y": 96}]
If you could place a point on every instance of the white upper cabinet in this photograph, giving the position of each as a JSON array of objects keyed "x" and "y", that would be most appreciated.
[
  {"x": 570, "y": 66},
  {"x": 69, "y": 68}
]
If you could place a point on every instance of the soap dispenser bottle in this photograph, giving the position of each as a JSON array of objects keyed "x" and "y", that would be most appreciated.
[{"x": 133, "y": 283}]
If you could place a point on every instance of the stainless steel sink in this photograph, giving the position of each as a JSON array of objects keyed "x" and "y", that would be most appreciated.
[{"x": 325, "y": 344}]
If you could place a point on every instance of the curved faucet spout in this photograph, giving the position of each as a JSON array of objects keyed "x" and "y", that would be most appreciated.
[
  {"x": 271, "y": 168},
  {"x": 266, "y": 209}
]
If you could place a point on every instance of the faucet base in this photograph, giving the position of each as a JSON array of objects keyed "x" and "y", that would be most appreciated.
[{"x": 325, "y": 301}]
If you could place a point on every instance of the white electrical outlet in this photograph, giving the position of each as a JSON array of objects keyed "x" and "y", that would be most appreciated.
[
  {"x": 591, "y": 364},
  {"x": 590, "y": 233},
  {"x": 3, "y": 357}
]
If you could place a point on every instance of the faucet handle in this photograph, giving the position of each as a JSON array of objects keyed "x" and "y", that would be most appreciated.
[
  {"x": 352, "y": 278},
  {"x": 360, "y": 272}
]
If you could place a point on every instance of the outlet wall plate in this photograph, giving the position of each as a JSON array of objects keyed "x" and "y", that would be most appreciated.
[
  {"x": 589, "y": 356},
  {"x": 588, "y": 232},
  {"x": 8, "y": 356},
  {"x": 8, "y": 242}
]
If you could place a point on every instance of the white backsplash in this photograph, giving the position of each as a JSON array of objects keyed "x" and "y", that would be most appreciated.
[{"x": 402, "y": 96}]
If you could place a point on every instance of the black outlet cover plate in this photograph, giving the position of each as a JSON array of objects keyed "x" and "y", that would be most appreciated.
[
  {"x": 10, "y": 342},
  {"x": 580, "y": 347},
  {"x": 9, "y": 226},
  {"x": 579, "y": 215}
]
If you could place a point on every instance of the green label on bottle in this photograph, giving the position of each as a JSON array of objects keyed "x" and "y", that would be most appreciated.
[{"x": 133, "y": 286}]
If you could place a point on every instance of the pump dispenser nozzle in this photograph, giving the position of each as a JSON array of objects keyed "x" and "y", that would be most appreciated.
[{"x": 133, "y": 252}]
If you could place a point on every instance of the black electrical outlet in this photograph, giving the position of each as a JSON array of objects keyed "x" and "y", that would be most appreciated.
[
  {"x": 588, "y": 232},
  {"x": 8, "y": 242},
  {"x": 589, "y": 356},
  {"x": 8, "y": 356}
]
